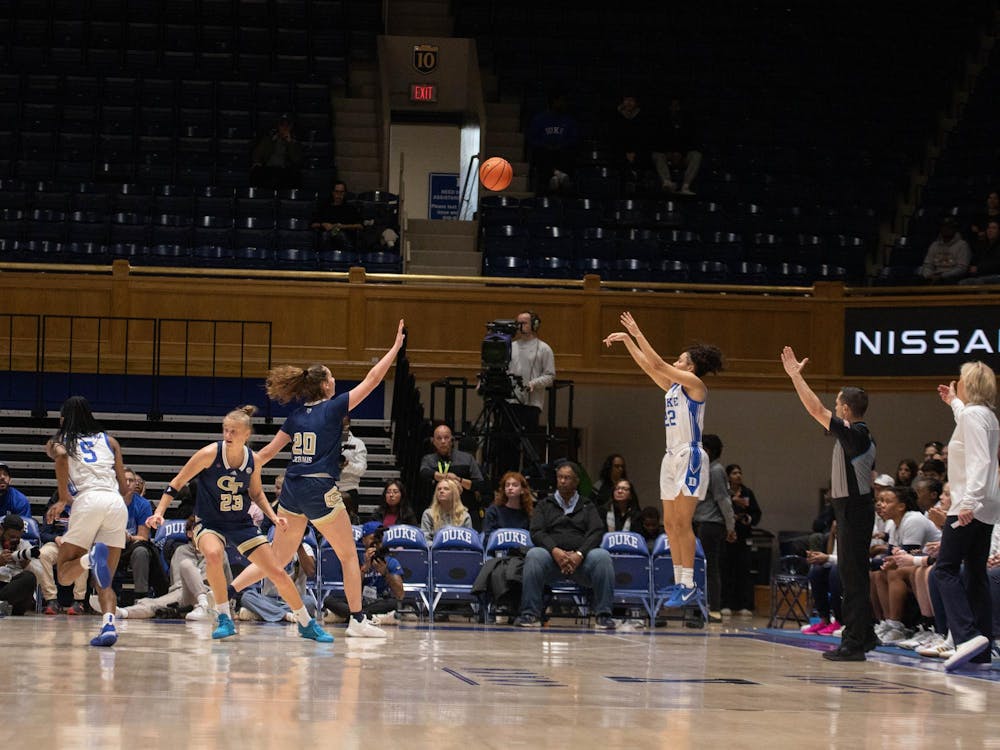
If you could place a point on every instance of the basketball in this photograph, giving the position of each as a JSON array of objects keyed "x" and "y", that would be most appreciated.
[{"x": 496, "y": 173}]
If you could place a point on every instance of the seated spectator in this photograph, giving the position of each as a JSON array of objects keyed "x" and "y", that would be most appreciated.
[
  {"x": 928, "y": 493},
  {"x": 12, "y": 500},
  {"x": 277, "y": 157},
  {"x": 737, "y": 583},
  {"x": 353, "y": 465},
  {"x": 446, "y": 509},
  {"x": 629, "y": 136},
  {"x": 394, "y": 507},
  {"x": 621, "y": 513},
  {"x": 17, "y": 584},
  {"x": 567, "y": 532},
  {"x": 948, "y": 256},
  {"x": 613, "y": 469},
  {"x": 187, "y": 590},
  {"x": 985, "y": 267},
  {"x": 980, "y": 224},
  {"x": 932, "y": 449},
  {"x": 906, "y": 472},
  {"x": 267, "y": 604},
  {"x": 824, "y": 581},
  {"x": 552, "y": 137},
  {"x": 140, "y": 555},
  {"x": 650, "y": 526},
  {"x": 337, "y": 221},
  {"x": 513, "y": 504},
  {"x": 51, "y": 535},
  {"x": 933, "y": 468},
  {"x": 446, "y": 461},
  {"x": 909, "y": 530},
  {"x": 381, "y": 582},
  {"x": 676, "y": 144}
]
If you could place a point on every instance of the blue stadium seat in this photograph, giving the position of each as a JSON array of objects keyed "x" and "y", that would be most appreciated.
[
  {"x": 633, "y": 569},
  {"x": 456, "y": 559},
  {"x": 552, "y": 242},
  {"x": 748, "y": 272},
  {"x": 553, "y": 268},
  {"x": 662, "y": 578},
  {"x": 337, "y": 260},
  {"x": 381, "y": 262},
  {"x": 632, "y": 269},
  {"x": 514, "y": 266},
  {"x": 597, "y": 242},
  {"x": 505, "y": 239},
  {"x": 710, "y": 272},
  {"x": 409, "y": 546},
  {"x": 671, "y": 271}
]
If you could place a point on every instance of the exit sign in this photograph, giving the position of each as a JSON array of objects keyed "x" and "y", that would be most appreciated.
[{"x": 423, "y": 92}]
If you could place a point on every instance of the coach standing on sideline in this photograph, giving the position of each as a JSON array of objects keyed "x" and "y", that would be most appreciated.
[
  {"x": 975, "y": 507},
  {"x": 852, "y": 500}
]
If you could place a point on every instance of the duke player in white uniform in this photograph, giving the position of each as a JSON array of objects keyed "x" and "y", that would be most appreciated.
[
  {"x": 309, "y": 493},
  {"x": 684, "y": 469},
  {"x": 91, "y": 477}
]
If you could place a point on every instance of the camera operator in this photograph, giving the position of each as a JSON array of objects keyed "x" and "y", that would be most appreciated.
[
  {"x": 448, "y": 462},
  {"x": 17, "y": 585},
  {"x": 353, "y": 465},
  {"x": 381, "y": 581},
  {"x": 531, "y": 360}
]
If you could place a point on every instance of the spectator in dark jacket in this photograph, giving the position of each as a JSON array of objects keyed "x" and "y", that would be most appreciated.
[
  {"x": 566, "y": 531},
  {"x": 677, "y": 145},
  {"x": 985, "y": 267},
  {"x": 552, "y": 138}
]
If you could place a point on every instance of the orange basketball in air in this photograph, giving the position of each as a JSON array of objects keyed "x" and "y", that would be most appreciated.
[{"x": 496, "y": 173}]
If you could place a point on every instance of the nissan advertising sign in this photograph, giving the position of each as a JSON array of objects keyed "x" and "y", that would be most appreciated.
[{"x": 913, "y": 341}]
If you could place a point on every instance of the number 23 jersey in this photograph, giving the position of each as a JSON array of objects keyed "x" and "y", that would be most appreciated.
[{"x": 224, "y": 490}]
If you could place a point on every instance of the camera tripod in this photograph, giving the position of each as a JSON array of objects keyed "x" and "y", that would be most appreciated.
[{"x": 498, "y": 426}]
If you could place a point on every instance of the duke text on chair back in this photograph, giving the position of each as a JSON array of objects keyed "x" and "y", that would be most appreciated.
[
  {"x": 409, "y": 546},
  {"x": 456, "y": 558},
  {"x": 633, "y": 569}
]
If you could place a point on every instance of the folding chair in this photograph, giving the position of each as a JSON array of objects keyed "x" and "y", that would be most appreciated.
[
  {"x": 663, "y": 575},
  {"x": 456, "y": 559},
  {"x": 633, "y": 569},
  {"x": 409, "y": 546},
  {"x": 790, "y": 592},
  {"x": 329, "y": 571}
]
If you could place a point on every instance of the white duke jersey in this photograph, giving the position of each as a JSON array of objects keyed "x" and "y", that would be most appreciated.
[
  {"x": 92, "y": 467},
  {"x": 683, "y": 418}
]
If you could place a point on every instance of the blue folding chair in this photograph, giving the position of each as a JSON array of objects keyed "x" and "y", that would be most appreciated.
[
  {"x": 501, "y": 543},
  {"x": 175, "y": 528},
  {"x": 329, "y": 571},
  {"x": 663, "y": 575},
  {"x": 633, "y": 569},
  {"x": 456, "y": 559},
  {"x": 409, "y": 546}
]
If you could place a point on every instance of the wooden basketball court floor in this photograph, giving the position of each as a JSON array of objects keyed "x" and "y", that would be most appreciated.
[{"x": 168, "y": 685}]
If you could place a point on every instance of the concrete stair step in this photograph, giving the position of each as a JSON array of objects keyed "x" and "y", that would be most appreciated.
[
  {"x": 415, "y": 24},
  {"x": 440, "y": 244},
  {"x": 445, "y": 258},
  {"x": 440, "y": 227},
  {"x": 356, "y": 163},
  {"x": 432, "y": 270},
  {"x": 355, "y": 119},
  {"x": 345, "y": 104},
  {"x": 359, "y": 180},
  {"x": 356, "y": 148}
]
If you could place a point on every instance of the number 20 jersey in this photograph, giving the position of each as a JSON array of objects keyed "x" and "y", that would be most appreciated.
[
  {"x": 316, "y": 431},
  {"x": 683, "y": 418}
]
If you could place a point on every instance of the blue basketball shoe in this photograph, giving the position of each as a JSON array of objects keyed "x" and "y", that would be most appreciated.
[
  {"x": 107, "y": 637},
  {"x": 314, "y": 632},
  {"x": 225, "y": 629}
]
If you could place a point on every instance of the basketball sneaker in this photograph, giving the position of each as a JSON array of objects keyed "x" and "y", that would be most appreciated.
[
  {"x": 99, "y": 564},
  {"x": 225, "y": 629},
  {"x": 107, "y": 637},
  {"x": 387, "y": 618},
  {"x": 364, "y": 628},
  {"x": 78, "y": 608},
  {"x": 199, "y": 614},
  {"x": 965, "y": 651},
  {"x": 829, "y": 629},
  {"x": 938, "y": 647},
  {"x": 51, "y": 607},
  {"x": 814, "y": 628},
  {"x": 314, "y": 632}
]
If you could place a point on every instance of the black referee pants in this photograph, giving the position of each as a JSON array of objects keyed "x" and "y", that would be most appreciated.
[{"x": 855, "y": 519}]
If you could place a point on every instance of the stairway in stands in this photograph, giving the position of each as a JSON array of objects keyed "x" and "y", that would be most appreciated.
[{"x": 158, "y": 450}]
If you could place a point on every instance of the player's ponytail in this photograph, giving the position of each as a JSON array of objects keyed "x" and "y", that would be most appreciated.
[{"x": 289, "y": 383}]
